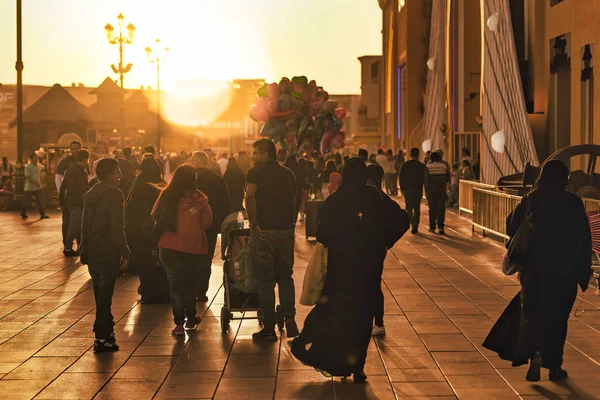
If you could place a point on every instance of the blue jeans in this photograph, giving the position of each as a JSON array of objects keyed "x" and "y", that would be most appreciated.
[{"x": 182, "y": 271}]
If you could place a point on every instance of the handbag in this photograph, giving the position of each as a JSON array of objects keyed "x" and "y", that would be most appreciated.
[
  {"x": 518, "y": 246},
  {"x": 314, "y": 278}
]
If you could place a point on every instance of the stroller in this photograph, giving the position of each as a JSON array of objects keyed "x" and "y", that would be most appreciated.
[{"x": 233, "y": 240}]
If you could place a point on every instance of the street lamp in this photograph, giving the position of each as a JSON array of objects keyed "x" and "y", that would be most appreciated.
[
  {"x": 120, "y": 40},
  {"x": 156, "y": 56}
]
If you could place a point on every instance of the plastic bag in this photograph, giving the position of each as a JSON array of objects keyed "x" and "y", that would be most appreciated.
[{"x": 314, "y": 279}]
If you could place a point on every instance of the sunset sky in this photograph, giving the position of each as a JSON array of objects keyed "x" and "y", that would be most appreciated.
[{"x": 64, "y": 40}]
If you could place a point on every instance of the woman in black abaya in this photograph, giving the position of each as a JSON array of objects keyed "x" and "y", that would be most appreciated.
[
  {"x": 357, "y": 225},
  {"x": 534, "y": 326}
]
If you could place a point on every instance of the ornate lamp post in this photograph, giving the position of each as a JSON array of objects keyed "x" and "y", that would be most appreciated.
[
  {"x": 120, "y": 40},
  {"x": 156, "y": 56}
]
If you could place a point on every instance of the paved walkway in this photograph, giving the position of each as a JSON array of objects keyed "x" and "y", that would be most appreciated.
[{"x": 442, "y": 296}]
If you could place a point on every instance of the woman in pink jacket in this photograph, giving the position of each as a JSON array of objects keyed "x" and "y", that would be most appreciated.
[{"x": 182, "y": 215}]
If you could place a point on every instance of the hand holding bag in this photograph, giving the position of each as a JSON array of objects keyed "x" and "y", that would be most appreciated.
[
  {"x": 518, "y": 247},
  {"x": 314, "y": 278}
]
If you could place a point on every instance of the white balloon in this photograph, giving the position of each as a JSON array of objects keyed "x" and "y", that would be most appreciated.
[
  {"x": 493, "y": 22},
  {"x": 427, "y": 145},
  {"x": 431, "y": 63},
  {"x": 498, "y": 141}
]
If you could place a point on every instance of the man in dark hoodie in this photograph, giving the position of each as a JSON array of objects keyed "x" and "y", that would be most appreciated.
[
  {"x": 214, "y": 187},
  {"x": 103, "y": 246},
  {"x": 72, "y": 189}
]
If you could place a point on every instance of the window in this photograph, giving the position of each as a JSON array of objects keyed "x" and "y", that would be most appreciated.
[{"x": 375, "y": 70}]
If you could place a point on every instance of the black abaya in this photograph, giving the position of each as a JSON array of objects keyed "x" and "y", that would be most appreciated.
[{"x": 357, "y": 225}]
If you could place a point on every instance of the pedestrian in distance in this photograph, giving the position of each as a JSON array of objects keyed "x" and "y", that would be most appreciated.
[
  {"x": 74, "y": 186},
  {"x": 104, "y": 247},
  {"x": 270, "y": 202},
  {"x": 437, "y": 178},
  {"x": 235, "y": 180},
  {"x": 33, "y": 187},
  {"x": 182, "y": 215},
  {"x": 62, "y": 168},
  {"x": 412, "y": 179}
]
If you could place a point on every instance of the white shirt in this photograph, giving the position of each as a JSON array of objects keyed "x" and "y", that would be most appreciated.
[{"x": 223, "y": 164}]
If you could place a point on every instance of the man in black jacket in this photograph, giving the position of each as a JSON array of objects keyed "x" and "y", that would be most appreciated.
[
  {"x": 103, "y": 246},
  {"x": 72, "y": 189},
  {"x": 214, "y": 187},
  {"x": 412, "y": 179}
]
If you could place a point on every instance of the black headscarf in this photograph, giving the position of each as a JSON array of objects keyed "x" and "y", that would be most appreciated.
[
  {"x": 150, "y": 171},
  {"x": 554, "y": 176},
  {"x": 355, "y": 173}
]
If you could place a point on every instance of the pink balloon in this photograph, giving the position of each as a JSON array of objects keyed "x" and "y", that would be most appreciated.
[
  {"x": 259, "y": 114},
  {"x": 273, "y": 91}
]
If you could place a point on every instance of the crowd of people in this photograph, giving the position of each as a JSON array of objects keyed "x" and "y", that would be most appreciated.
[{"x": 160, "y": 219}]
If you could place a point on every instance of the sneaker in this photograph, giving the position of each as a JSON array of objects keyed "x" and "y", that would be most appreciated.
[
  {"x": 558, "y": 374},
  {"x": 291, "y": 328},
  {"x": 44, "y": 216},
  {"x": 442, "y": 232},
  {"x": 202, "y": 299},
  {"x": 71, "y": 253},
  {"x": 533, "y": 374},
  {"x": 24, "y": 216},
  {"x": 178, "y": 331},
  {"x": 105, "y": 346},
  {"x": 378, "y": 330},
  {"x": 192, "y": 323},
  {"x": 265, "y": 334}
]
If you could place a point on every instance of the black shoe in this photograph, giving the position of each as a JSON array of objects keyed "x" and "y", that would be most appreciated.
[
  {"x": 414, "y": 231},
  {"x": 106, "y": 346},
  {"x": 291, "y": 328},
  {"x": 558, "y": 374},
  {"x": 533, "y": 374},
  {"x": 359, "y": 378},
  {"x": 44, "y": 216},
  {"x": 432, "y": 230},
  {"x": 202, "y": 299},
  {"x": 24, "y": 216},
  {"x": 442, "y": 232},
  {"x": 71, "y": 253},
  {"x": 265, "y": 335}
]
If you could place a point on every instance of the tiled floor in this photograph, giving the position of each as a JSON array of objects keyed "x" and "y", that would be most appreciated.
[{"x": 442, "y": 296}]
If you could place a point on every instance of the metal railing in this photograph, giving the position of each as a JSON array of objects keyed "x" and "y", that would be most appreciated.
[
  {"x": 465, "y": 194},
  {"x": 491, "y": 209}
]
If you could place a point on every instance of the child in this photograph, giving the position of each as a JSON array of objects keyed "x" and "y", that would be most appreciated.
[{"x": 103, "y": 246}]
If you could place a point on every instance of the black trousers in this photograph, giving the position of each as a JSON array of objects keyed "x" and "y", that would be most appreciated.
[
  {"x": 104, "y": 277},
  {"x": 205, "y": 269},
  {"x": 66, "y": 219},
  {"x": 39, "y": 199},
  {"x": 437, "y": 209},
  {"x": 413, "y": 206},
  {"x": 379, "y": 306}
]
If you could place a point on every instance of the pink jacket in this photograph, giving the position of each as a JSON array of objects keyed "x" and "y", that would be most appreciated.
[{"x": 193, "y": 217}]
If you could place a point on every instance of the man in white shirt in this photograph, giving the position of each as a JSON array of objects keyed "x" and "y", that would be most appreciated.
[{"x": 223, "y": 161}]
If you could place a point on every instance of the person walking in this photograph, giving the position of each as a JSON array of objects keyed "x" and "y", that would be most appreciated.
[
  {"x": 437, "y": 177},
  {"x": 302, "y": 186},
  {"x": 235, "y": 180},
  {"x": 33, "y": 187},
  {"x": 412, "y": 179},
  {"x": 145, "y": 190},
  {"x": 243, "y": 162},
  {"x": 62, "y": 168},
  {"x": 558, "y": 260},
  {"x": 74, "y": 186},
  {"x": 129, "y": 156},
  {"x": 213, "y": 186},
  {"x": 104, "y": 247},
  {"x": 223, "y": 161},
  {"x": 270, "y": 202},
  {"x": 326, "y": 177},
  {"x": 358, "y": 226},
  {"x": 182, "y": 214}
]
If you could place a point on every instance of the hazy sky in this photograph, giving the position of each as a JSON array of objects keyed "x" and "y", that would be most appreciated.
[{"x": 64, "y": 40}]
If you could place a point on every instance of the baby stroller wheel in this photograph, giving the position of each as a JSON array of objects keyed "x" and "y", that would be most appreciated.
[
  {"x": 279, "y": 318},
  {"x": 225, "y": 319}
]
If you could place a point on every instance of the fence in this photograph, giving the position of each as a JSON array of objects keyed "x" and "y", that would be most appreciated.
[
  {"x": 465, "y": 194},
  {"x": 491, "y": 209}
]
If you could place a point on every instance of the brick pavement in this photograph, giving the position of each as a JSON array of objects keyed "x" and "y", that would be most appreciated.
[{"x": 442, "y": 296}]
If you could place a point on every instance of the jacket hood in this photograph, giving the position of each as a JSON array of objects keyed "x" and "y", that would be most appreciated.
[
  {"x": 96, "y": 192},
  {"x": 197, "y": 200}
]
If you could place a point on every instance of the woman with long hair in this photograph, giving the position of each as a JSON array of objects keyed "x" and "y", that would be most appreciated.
[
  {"x": 236, "y": 183},
  {"x": 182, "y": 215},
  {"x": 7, "y": 170},
  {"x": 330, "y": 168},
  {"x": 145, "y": 189}
]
